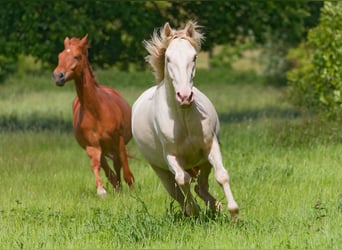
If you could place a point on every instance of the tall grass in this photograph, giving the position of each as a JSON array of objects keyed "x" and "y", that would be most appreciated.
[{"x": 285, "y": 169}]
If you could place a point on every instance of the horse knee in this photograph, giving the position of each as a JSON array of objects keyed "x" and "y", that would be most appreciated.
[
  {"x": 222, "y": 176},
  {"x": 182, "y": 178}
]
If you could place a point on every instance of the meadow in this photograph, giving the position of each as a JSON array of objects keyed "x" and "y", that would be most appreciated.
[{"x": 284, "y": 164}]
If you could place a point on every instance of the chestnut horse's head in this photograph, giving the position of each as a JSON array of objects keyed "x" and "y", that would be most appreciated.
[{"x": 71, "y": 60}]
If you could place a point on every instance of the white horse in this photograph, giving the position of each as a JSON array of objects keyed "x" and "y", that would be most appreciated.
[{"x": 175, "y": 126}]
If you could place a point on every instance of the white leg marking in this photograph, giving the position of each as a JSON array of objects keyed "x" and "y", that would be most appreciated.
[{"x": 101, "y": 191}]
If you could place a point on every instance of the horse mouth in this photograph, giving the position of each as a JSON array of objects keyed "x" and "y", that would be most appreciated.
[
  {"x": 185, "y": 105},
  {"x": 60, "y": 84}
]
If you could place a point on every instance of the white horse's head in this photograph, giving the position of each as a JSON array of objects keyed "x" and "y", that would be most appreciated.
[{"x": 180, "y": 61}]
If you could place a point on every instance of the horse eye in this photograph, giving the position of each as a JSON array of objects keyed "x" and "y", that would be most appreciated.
[
  {"x": 78, "y": 58},
  {"x": 168, "y": 59},
  {"x": 195, "y": 57}
]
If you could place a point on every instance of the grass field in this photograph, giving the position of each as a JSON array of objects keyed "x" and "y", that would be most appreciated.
[{"x": 285, "y": 169}]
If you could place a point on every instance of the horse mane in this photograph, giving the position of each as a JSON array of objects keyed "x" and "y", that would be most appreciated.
[{"x": 159, "y": 42}]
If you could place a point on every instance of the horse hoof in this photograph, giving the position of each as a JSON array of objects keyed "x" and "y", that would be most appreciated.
[
  {"x": 101, "y": 192},
  {"x": 118, "y": 189},
  {"x": 234, "y": 213},
  {"x": 192, "y": 210},
  {"x": 218, "y": 206},
  {"x": 235, "y": 217}
]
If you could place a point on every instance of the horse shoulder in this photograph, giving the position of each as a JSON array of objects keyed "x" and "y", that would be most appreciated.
[
  {"x": 143, "y": 127},
  {"x": 142, "y": 110},
  {"x": 207, "y": 110}
]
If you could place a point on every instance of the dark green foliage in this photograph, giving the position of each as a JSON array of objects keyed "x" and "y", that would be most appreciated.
[
  {"x": 117, "y": 28},
  {"x": 317, "y": 81},
  {"x": 7, "y": 66}
]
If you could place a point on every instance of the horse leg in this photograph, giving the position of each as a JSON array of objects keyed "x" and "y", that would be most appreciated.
[
  {"x": 123, "y": 162},
  {"x": 202, "y": 188},
  {"x": 109, "y": 173},
  {"x": 222, "y": 177},
  {"x": 168, "y": 180},
  {"x": 117, "y": 168},
  {"x": 95, "y": 157},
  {"x": 183, "y": 179}
]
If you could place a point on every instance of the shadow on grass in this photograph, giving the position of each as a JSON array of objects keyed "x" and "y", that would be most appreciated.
[
  {"x": 42, "y": 122},
  {"x": 255, "y": 114},
  {"x": 34, "y": 122}
]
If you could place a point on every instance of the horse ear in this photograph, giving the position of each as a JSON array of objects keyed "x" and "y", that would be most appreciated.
[
  {"x": 84, "y": 43},
  {"x": 167, "y": 29},
  {"x": 190, "y": 29},
  {"x": 66, "y": 42},
  {"x": 84, "y": 40}
]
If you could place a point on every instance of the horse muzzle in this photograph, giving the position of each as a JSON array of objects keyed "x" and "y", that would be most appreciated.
[
  {"x": 185, "y": 99},
  {"x": 59, "y": 78}
]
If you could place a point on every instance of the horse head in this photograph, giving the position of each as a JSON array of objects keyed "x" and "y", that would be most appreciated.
[
  {"x": 71, "y": 60},
  {"x": 180, "y": 60}
]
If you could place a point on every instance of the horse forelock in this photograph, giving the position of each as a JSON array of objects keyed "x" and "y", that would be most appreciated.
[
  {"x": 159, "y": 43},
  {"x": 77, "y": 43}
]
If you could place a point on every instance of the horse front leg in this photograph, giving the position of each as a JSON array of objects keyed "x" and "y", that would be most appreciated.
[
  {"x": 222, "y": 177},
  {"x": 95, "y": 157},
  {"x": 183, "y": 179},
  {"x": 168, "y": 180}
]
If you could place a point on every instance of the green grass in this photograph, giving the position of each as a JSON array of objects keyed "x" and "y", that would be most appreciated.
[{"x": 285, "y": 169}]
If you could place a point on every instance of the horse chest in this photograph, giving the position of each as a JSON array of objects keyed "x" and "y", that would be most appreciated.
[
  {"x": 90, "y": 130},
  {"x": 186, "y": 137}
]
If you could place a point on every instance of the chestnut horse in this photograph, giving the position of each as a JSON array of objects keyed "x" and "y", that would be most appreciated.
[
  {"x": 101, "y": 116},
  {"x": 175, "y": 126}
]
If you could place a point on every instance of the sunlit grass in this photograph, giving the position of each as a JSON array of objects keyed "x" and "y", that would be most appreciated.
[{"x": 285, "y": 169}]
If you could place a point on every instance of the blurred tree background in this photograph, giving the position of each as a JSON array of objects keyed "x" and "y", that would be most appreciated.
[
  {"x": 309, "y": 30},
  {"x": 117, "y": 28}
]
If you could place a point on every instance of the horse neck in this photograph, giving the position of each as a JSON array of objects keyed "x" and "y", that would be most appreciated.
[
  {"x": 86, "y": 88},
  {"x": 170, "y": 95}
]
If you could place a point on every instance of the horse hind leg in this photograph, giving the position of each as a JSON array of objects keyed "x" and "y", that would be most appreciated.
[
  {"x": 122, "y": 161},
  {"x": 109, "y": 173},
  {"x": 202, "y": 189},
  {"x": 95, "y": 157}
]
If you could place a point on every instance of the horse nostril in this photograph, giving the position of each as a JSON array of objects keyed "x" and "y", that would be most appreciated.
[
  {"x": 61, "y": 75},
  {"x": 185, "y": 99},
  {"x": 191, "y": 96}
]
